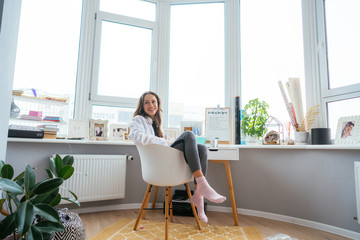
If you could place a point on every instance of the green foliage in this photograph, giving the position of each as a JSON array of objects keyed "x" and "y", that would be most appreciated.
[
  {"x": 254, "y": 119},
  {"x": 28, "y": 200}
]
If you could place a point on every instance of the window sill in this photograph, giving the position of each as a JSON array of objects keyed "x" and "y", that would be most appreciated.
[{"x": 223, "y": 146}]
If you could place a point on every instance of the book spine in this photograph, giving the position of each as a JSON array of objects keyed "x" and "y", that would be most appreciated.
[{"x": 237, "y": 120}]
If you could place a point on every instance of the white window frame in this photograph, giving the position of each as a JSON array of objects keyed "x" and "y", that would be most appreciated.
[
  {"x": 97, "y": 99},
  {"x": 88, "y": 67},
  {"x": 232, "y": 50},
  {"x": 328, "y": 95}
]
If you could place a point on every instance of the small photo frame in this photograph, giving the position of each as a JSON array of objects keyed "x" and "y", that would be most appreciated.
[
  {"x": 348, "y": 130},
  {"x": 171, "y": 133},
  {"x": 194, "y": 126},
  {"x": 78, "y": 129},
  {"x": 118, "y": 131},
  {"x": 98, "y": 129}
]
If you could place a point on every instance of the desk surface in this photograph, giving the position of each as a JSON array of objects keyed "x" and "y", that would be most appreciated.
[{"x": 221, "y": 146}]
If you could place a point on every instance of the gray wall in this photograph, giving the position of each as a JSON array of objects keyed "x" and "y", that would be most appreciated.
[
  {"x": 9, "y": 23},
  {"x": 316, "y": 185}
]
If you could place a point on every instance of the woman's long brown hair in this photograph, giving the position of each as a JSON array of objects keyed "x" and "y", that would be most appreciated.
[{"x": 157, "y": 118}]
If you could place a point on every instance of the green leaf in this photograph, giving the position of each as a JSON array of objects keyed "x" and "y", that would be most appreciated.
[
  {"x": 46, "y": 226},
  {"x": 47, "y": 212},
  {"x": 66, "y": 172},
  {"x": 11, "y": 186},
  {"x": 34, "y": 234},
  {"x": 29, "y": 178},
  {"x": 56, "y": 200},
  {"x": 7, "y": 226},
  {"x": 47, "y": 185},
  {"x": 24, "y": 217},
  {"x": 7, "y": 171},
  {"x": 46, "y": 198},
  {"x": 49, "y": 173},
  {"x": 2, "y": 163},
  {"x": 72, "y": 193},
  {"x": 71, "y": 200},
  {"x": 52, "y": 166},
  {"x": 47, "y": 236},
  {"x": 58, "y": 163},
  {"x": 68, "y": 160}
]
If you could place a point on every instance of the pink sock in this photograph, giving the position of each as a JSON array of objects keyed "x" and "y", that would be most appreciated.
[
  {"x": 205, "y": 190},
  {"x": 198, "y": 201}
]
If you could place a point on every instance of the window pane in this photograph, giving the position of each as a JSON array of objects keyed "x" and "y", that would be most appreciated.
[
  {"x": 196, "y": 77},
  {"x": 125, "y": 60},
  {"x": 132, "y": 8},
  {"x": 271, "y": 50},
  {"x": 341, "y": 109},
  {"x": 47, "y": 51},
  {"x": 112, "y": 114},
  {"x": 343, "y": 37}
]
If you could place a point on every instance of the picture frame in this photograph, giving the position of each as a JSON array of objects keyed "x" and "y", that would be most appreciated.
[
  {"x": 98, "y": 129},
  {"x": 118, "y": 131},
  {"x": 172, "y": 133},
  {"x": 78, "y": 129},
  {"x": 194, "y": 126},
  {"x": 348, "y": 130}
]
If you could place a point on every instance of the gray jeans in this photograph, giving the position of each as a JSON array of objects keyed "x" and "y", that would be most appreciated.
[{"x": 195, "y": 154}]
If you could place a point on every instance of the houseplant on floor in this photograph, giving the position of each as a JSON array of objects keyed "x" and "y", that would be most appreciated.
[
  {"x": 30, "y": 212},
  {"x": 254, "y": 119}
]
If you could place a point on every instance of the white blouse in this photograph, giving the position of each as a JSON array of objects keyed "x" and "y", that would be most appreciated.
[{"x": 142, "y": 132}]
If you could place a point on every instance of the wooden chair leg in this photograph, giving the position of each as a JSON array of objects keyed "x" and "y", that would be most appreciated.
[
  {"x": 143, "y": 205},
  {"x": 192, "y": 206},
  {"x": 171, "y": 205},
  {"x": 154, "y": 197},
  {"x": 167, "y": 197},
  {"x": 146, "y": 206}
]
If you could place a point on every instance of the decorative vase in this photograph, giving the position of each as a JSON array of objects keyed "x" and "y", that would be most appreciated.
[
  {"x": 251, "y": 139},
  {"x": 301, "y": 138}
]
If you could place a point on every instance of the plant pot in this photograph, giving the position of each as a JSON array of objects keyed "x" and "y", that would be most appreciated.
[
  {"x": 251, "y": 140},
  {"x": 301, "y": 138}
]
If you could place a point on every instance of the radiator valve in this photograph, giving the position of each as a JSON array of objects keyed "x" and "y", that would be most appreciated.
[{"x": 129, "y": 157}]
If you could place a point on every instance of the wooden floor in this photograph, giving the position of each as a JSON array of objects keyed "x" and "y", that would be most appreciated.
[{"x": 95, "y": 222}]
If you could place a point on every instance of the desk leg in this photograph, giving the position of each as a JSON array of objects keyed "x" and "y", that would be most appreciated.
[
  {"x": 231, "y": 188},
  {"x": 231, "y": 192}
]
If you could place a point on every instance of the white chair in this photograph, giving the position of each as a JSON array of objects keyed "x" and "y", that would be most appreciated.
[{"x": 165, "y": 167}]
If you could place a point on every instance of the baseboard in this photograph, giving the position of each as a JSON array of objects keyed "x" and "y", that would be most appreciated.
[
  {"x": 274, "y": 216},
  {"x": 283, "y": 218}
]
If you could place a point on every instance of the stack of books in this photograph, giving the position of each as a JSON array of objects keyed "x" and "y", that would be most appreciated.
[
  {"x": 52, "y": 118},
  {"x": 50, "y": 130}
]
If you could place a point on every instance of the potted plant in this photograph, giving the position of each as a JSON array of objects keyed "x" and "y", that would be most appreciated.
[
  {"x": 30, "y": 210},
  {"x": 254, "y": 119}
]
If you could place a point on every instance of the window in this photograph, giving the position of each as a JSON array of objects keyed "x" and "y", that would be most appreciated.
[
  {"x": 47, "y": 51},
  {"x": 271, "y": 50},
  {"x": 125, "y": 54},
  {"x": 338, "y": 38},
  {"x": 196, "y": 65}
]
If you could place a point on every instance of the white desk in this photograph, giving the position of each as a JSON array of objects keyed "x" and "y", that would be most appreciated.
[{"x": 224, "y": 155}]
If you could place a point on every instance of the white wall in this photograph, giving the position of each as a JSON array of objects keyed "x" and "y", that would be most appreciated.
[{"x": 9, "y": 27}]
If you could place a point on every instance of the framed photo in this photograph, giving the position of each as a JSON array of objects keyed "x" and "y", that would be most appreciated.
[
  {"x": 78, "y": 129},
  {"x": 348, "y": 130},
  {"x": 98, "y": 129},
  {"x": 194, "y": 126},
  {"x": 118, "y": 131},
  {"x": 172, "y": 133}
]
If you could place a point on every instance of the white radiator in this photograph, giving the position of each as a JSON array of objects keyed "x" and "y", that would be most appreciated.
[
  {"x": 357, "y": 186},
  {"x": 96, "y": 177}
]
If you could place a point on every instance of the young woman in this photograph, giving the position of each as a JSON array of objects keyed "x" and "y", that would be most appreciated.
[{"x": 145, "y": 128}]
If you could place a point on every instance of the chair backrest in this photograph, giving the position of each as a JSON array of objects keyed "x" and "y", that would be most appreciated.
[{"x": 163, "y": 166}]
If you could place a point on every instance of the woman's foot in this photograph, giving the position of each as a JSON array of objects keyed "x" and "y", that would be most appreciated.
[
  {"x": 205, "y": 190},
  {"x": 198, "y": 201}
]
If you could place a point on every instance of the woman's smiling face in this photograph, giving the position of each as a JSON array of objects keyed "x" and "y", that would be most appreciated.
[{"x": 150, "y": 105}]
